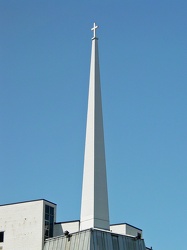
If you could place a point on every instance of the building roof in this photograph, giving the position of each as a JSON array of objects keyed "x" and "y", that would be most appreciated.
[
  {"x": 26, "y": 202},
  {"x": 94, "y": 239}
]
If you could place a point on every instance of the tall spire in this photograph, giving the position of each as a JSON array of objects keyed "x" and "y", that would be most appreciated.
[{"x": 94, "y": 206}]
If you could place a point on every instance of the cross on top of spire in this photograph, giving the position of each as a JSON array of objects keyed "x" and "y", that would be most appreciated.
[{"x": 94, "y": 30}]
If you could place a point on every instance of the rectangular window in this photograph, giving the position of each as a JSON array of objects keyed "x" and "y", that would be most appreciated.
[
  {"x": 139, "y": 236},
  {"x": 49, "y": 221},
  {"x": 1, "y": 236}
]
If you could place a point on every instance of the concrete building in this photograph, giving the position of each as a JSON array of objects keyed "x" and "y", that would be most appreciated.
[
  {"x": 26, "y": 225},
  {"x": 32, "y": 225}
]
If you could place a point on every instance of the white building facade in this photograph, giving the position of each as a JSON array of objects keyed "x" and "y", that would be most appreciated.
[{"x": 26, "y": 225}]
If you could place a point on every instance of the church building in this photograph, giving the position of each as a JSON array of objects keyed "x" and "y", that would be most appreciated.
[{"x": 32, "y": 225}]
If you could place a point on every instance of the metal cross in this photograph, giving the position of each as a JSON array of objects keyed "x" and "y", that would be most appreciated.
[{"x": 94, "y": 30}]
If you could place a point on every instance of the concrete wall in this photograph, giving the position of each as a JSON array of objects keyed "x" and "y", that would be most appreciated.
[
  {"x": 118, "y": 229},
  {"x": 71, "y": 227},
  {"x": 23, "y": 225},
  {"x": 133, "y": 231},
  {"x": 125, "y": 229}
]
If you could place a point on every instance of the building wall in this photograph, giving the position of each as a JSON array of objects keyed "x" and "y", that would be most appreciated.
[
  {"x": 23, "y": 225},
  {"x": 133, "y": 231},
  {"x": 126, "y": 229},
  {"x": 119, "y": 229},
  {"x": 70, "y": 226}
]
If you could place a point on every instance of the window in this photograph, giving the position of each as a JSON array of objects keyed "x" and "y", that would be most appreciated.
[
  {"x": 139, "y": 236},
  {"x": 49, "y": 221},
  {"x": 1, "y": 236}
]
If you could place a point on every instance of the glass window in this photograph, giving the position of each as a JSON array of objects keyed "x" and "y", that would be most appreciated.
[
  {"x": 47, "y": 216},
  {"x": 49, "y": 221},
  {"x": 1, "y": 236},
  {"x": 46, "y": 209},
  {"x": 52, "y": 210}
]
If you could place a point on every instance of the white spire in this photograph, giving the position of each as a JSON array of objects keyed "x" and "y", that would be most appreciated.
[{"x": 94, "y": 207}]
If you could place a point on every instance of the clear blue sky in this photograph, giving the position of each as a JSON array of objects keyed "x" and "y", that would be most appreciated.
[{"x": 44, "y": 75}]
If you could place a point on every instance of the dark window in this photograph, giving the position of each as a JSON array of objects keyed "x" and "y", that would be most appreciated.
[
  {"x": 51, "y": 210},
  {"x": 139, "y": 236},
  {"x": 1, "y": 236},
  {"x": 49, "y": 221},
  {"x": 46, "y": 216},
  {"x": 46, "y": 209}
]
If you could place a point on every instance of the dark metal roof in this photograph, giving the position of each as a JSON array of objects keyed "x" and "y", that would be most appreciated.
[
  {"x": 26, "y": 202},
  {"x": 63, "y": 222},
  {"x": 94, "y": 239}
]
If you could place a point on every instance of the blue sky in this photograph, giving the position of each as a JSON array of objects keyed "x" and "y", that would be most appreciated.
[{"x": 44, "y": 75}]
